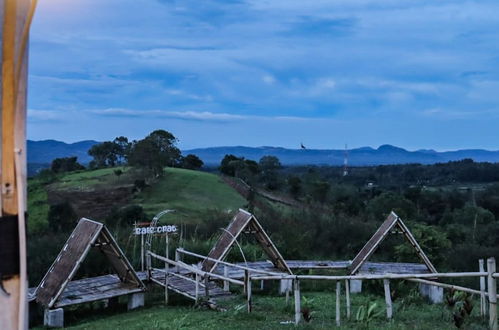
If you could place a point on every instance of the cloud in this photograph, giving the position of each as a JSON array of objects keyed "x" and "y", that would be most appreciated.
[{"x": 42, "y": 115}]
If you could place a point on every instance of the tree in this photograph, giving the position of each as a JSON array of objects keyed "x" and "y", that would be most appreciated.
[
  {"x": 122, "y": 149},
  {"x": 66, "y": 164},
  {"x": 104, "y": 154},
  {"x": 154, "y": 152},
  {"x": 191, "y": 162},
  {"x": 227, "y": 165},
  {"x": 268, "y": 167}
]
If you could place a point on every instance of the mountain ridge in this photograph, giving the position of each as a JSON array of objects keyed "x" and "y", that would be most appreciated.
[{"x": 44, "y": 151}]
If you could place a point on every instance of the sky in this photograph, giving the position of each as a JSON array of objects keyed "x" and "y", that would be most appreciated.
[{"x": 418, "y": 74}]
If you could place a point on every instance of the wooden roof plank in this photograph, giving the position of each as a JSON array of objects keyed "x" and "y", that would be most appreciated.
[
  {"x": 367, "y": 250},
  {"x": 82, "y": 239},
  {"x": 241, "y": 221}
]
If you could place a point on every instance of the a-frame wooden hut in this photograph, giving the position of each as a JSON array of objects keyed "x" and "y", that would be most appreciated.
[
  {"x": 242, "y": 222},
  {"x": 392, "y": 222},
  {"x": 57, "y": 288}
]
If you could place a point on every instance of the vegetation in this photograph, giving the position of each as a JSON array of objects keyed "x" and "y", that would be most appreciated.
[{"x": 271, "y": 312}]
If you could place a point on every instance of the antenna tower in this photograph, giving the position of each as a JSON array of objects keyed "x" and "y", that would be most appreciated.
[{"x": 345, "y": 162}]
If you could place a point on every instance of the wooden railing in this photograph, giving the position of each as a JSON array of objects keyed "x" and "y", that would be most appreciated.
[{"x": 429, "y": 279}]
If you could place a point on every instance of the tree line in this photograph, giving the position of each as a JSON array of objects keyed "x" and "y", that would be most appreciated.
[{"x": 151, "y": 154}]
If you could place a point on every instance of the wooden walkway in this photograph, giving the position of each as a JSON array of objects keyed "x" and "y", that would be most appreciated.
[
  {"x": 186, "y": 286},
  {"x": 91, "y": 289}
]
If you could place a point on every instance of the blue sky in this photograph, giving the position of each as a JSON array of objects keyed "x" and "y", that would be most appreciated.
[{"x": 417, "y": 74}]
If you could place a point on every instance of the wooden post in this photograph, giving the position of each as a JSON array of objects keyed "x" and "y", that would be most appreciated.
[
  {"x": 177, "y": 259},
  {"x": 483, "y": 300},
  {"x": 287, "y": 296},
  {"x": 206, "y": 288},
  {"x": 226, "y": 274},
  {"x": 197, "y": 288},
  {"x": 492, "y": 286},
  {"x": 388, "y": 299},
  {"x": 167, "y": 280},
  {"x": 347, "y": 295},
  {"x": 297, "y": 301},
  {"x": 149, "y": 268},
  {"x": 15, "y": 24},
  {"x": 246, "y": 275},
  {"x": 248, "y": 292},
  {"x": 142, "y": 252},
  {"x": 167, "y": 243},
  {"x": 338, "y": 311}
]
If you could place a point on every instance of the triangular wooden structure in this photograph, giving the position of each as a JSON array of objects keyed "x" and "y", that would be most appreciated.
[
  {"x": 244, "y": 221},
  {"x": 87, "y": 234},
  {"x": 390, "y": 223}
]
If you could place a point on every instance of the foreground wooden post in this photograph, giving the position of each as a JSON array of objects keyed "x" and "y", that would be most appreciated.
[
  {"x": 388, "y": 299},
  {"x": 296, "y": 283},
  {"x": 483, "y": 300},
  {"x": 248, "y": 293},
  {"x": 226, "y": 274},
  {"x": 338, "y": 311},
  {"x": 347, "y": 295},
  {"x": 492, "y": 286}
]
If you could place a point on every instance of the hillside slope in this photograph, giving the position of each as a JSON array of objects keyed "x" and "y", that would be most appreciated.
[{"x": 94, "y": 194}]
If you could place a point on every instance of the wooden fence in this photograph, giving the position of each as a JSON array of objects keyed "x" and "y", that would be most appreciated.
[{"x": 251, "y": 274}]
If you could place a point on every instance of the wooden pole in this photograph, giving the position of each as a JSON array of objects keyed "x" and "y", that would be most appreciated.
[
  {"x": 248, "y": 292},
  {"x": 492, "y": 286},
  {"x": 142, "y": 252},
  {"x": 197, "y": 288},
  {"x": 16, "y": 21},
  {"x": 206, "y": 287},
  {"x": 347, "y": 294},
  {"x": 177, "y": 259},
  {"x": 338, "y": 310},
  {"x": 287, "y": 293},
  {"x": 297, "y": 301},
  {"x": 246, "y": 275},
  {"x": 226, "y": 283},
  {"x": 483, "y": 301},
  {"x": 167, "y": 279},
  {"x": 388, "y": 299}
]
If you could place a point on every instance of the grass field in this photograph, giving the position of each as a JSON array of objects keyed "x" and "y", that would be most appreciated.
[
  {"x": 271, "y": 312},
  {"x": 190, "y": 193}
]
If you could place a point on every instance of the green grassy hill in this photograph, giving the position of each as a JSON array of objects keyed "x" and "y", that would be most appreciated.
[{"x": 190, "y": 193}]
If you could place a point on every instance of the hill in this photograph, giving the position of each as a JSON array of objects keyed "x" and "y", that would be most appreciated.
[{"x": 95, "y": 194}]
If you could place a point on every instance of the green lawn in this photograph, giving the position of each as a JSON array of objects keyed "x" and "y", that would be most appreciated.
[
  {"x": 190, "y": 193},
  {"x": 270, "y": 311}
]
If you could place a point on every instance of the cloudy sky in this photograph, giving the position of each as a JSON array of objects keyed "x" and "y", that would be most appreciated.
[{"x": 417, "y": 74}]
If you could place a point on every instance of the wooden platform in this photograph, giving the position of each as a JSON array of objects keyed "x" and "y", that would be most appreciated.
[{"x": 187, "y": 287}]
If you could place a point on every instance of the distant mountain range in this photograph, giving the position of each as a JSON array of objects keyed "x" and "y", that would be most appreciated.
[
  {"x": 384, "y": 155},
  {"x": 43, "y": 152}
]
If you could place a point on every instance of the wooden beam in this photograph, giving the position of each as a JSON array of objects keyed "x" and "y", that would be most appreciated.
[{"x": 492, "y": 286}]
